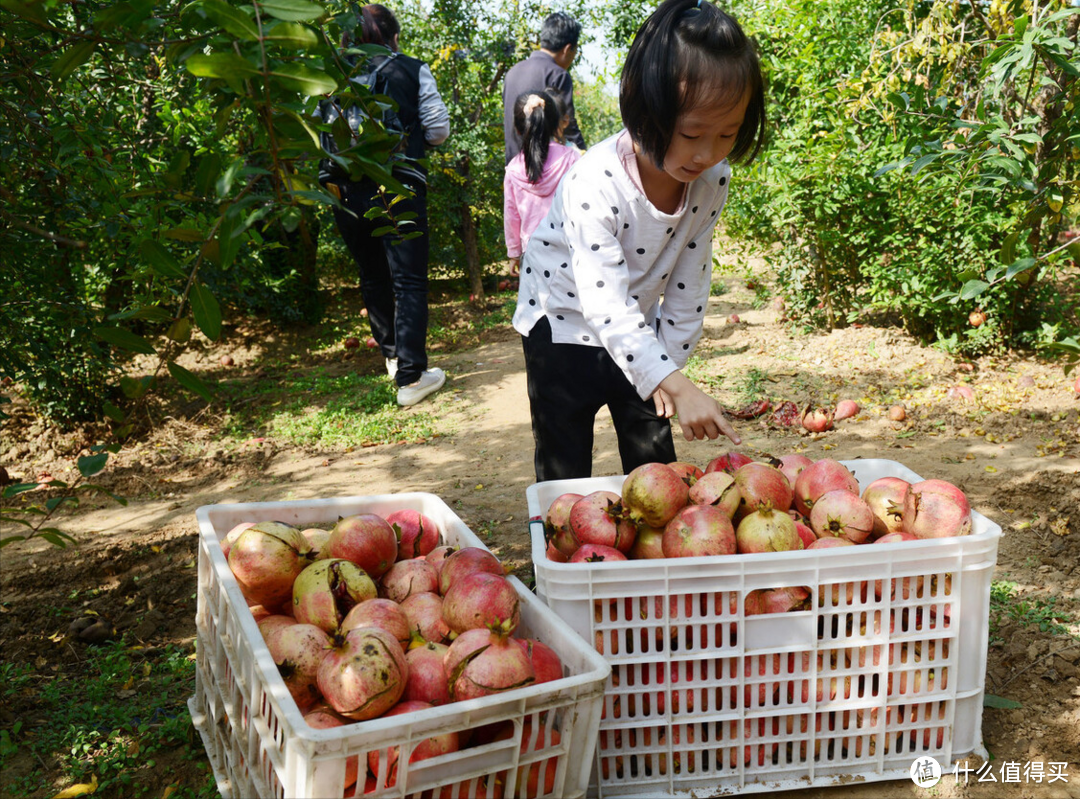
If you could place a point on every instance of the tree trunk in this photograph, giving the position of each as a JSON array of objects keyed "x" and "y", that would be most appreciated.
[{"x": 469, "y": 237}]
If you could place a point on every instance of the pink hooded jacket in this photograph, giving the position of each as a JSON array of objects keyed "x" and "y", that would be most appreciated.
[{"x": 526, "y": 204}]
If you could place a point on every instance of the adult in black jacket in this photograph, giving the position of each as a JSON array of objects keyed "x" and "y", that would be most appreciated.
[
  {"x": 545, "y": 68},
  {"x": 394, "y": 269}
]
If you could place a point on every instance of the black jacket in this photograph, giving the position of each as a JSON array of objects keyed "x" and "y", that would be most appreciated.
[{"x": 536, "y": 73}]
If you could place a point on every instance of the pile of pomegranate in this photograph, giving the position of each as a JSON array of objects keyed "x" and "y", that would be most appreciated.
[
  {"x": 736, "y": 505},
  {"x": 376, "y": 618}
]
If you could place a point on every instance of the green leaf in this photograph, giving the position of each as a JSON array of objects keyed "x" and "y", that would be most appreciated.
[
  {"x": 206, "y": 310},
  {"x": 89, "y": 465},
  {"x": 55, "y": 502},
  {"x": 18, "y": 488},
  {"x": 973, "y": 288},
  {"x": 292, "y": 34},
  {"x": 1017, "y": 267},
  {"x": 299, "y": 78},
  {"x": 73, "y": 58},
  {"x": 989, "y": 700},
  {"x": 11, "y": 539},
  {"x": 190, "y": 381},
  {"x": 207, "y": 173},
  {"x": 134, "y": 389},
  {"x": 112, "y": 412},
  {"x": 16, "y": 520},
  {"x": 184, "y": 234},
  {"x": 293, "y": 10},
  {"x": 31, "y": 11},
  {"x": 1008, "y": 248},
  {"x": 103, "y": 490},
  {"x": 161, "y": 260},
  {"x": 125, "y": 340},
  {"x": 220, "y": 65},
  {"x": 232, "y": 19},
  {"x": 56, "y": 537}
]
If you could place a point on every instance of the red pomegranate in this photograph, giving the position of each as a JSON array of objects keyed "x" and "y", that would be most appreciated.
[
  {"x": 417, "y": 534},
  {"x": 481, "y": 662},
  {"x": 728, "y": 462},
  {"x": 407, "y": 577},
  {"x": 598, "y": 518},
  {"x": 382, "y": 613},
  {"x": 698, "y": 530},
  {"x": 363, "y": 674},
  {"x": 761, "y": 485},
  {"x": 466, "y": 561},
  {"x": 546, "y": 663},
  {"x": 885, "y": 496},
  {"x": 818, "y": 478},
  {"x": 427, "y": 675},
  {"x": 596, "y": 553},
  {"x": 367, "y": 540},
  {"x": 842, "y": 514},
  {"x": 767, "y": 530},
  {"x": 557, "y": 530},
  {"x": 424, "y": 612},
  {"x": 265, "y": 559},
  {"x": 482, "y": 600},
  {"x": 298, "y": 650},
  {"x": 935, "y": 509},
  {"x": 653, "y": 493},
  {"x": 717, "y": 489},
  {"x": 387, "y": 759}
]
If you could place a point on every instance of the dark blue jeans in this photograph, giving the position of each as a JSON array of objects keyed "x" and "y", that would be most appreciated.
[
  {"x": 393, "y": 273},
  {"x": 567, "y": 385}
]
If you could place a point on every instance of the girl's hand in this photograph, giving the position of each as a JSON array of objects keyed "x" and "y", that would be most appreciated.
[
  {"x": 699, "y": 414},
  {"x": 515, "y": 267},
  {"x": 665, "y": 406}
]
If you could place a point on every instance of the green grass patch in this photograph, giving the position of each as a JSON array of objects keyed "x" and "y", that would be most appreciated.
[
  {"x": 316, "y": 408},
  {"x": 752, "y": 386},
  {"x": 1043, "y": 614},
  {"x": 109, "y": 717}
]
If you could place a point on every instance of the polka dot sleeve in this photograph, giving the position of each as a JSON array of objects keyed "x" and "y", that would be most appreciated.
[{"x": 602, "y": 281}]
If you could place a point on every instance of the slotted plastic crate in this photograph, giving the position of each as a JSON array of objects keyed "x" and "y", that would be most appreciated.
[
  {"x": 259, "y": 745},
  {"x": 888, "y": 665}
]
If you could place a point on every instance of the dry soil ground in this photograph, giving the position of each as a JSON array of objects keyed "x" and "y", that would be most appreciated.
[{"x": 1015, "y": 449}]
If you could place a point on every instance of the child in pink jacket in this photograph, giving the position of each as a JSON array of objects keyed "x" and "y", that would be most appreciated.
[{"x": 535, "y": 172}]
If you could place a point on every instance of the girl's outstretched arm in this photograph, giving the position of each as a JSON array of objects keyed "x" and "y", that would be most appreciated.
[{"x": 699, "y": 414}]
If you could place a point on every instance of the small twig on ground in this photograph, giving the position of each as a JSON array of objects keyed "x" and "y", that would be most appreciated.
[{"x": 1037, "y": 661}]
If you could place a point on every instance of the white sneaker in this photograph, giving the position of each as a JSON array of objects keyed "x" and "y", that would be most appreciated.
[
  {"x": 429, "y": 382},
  {"x": 391, "y": 367}
]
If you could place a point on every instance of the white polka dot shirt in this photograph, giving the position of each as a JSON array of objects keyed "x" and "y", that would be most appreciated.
[{"x": 610, "y": 270}]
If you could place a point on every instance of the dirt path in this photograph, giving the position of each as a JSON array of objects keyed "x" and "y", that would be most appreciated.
[{"x": 1019, "y": 467}]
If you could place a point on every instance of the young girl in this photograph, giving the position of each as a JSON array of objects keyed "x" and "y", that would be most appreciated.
[
  {"x": 616, "y": 278},
  {"x": 533, "y": 174}
]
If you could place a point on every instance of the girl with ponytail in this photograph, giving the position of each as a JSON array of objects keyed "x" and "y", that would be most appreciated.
[{"x": 534, "y": 173}]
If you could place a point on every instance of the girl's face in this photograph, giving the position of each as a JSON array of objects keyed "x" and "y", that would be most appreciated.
[{"x": 703, "y": 138}]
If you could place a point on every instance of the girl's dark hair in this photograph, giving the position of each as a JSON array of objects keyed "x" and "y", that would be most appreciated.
[
  {"x": 689, "y": 53},
  {"x": 537, "y": 129},
  {"x": 376, "y": 24}
]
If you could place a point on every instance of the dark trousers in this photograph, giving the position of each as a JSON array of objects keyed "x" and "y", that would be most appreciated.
[
  {"x": 568, "y": 384},
  {"x": 393, "y": 273}
]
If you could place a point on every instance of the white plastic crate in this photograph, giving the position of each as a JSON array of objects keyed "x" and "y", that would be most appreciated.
[
  {"x": 889, "y": 665},
  {"x": 260, "y": 746}
]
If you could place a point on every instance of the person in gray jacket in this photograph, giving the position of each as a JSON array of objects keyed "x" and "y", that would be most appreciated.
[
  {"x": 394, "y": 267},
  {"x": 545, "y": 68}
]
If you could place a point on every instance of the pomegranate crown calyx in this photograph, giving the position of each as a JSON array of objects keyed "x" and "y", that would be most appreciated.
[{"x": 501, "y": 629}]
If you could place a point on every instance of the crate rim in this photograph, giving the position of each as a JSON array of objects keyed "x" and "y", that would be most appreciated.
[{"x": 991, "y": 534}]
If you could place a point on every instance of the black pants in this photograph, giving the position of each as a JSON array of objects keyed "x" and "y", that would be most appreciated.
[
  {"x": 568, "y": 384},
  {"x": 393, "y": 273}
]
